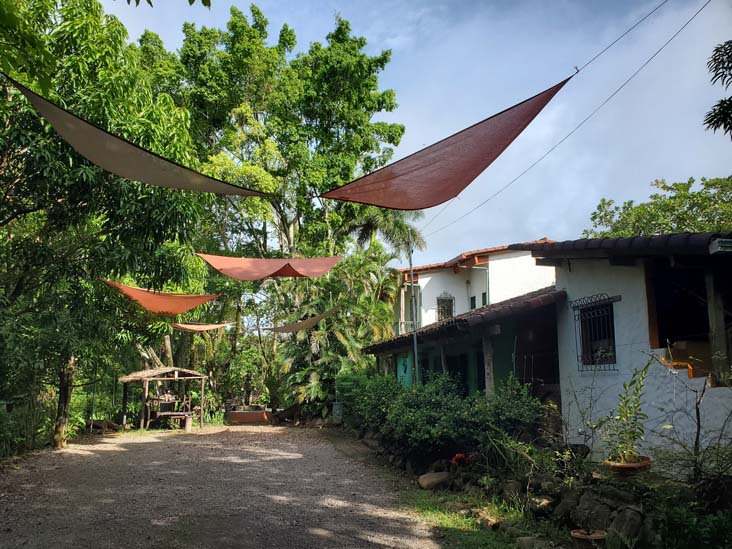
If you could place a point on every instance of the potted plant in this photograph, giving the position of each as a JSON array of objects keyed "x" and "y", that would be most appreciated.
[
  {"x": 623, "y": 430},
  {"x": 588, "y": 538}
]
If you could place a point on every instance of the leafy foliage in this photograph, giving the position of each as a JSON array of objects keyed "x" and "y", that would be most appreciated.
[
  {"x": 677, "y": 207},
  {"x": 720, "y": 66},
  {"x": 623, "y": 429},
  {"x": 367, "y": 400}
]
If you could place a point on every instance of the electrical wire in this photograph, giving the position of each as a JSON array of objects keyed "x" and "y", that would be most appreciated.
[
  {"x": 578, "y": 126},
  {"x": 596, "y": 56}
]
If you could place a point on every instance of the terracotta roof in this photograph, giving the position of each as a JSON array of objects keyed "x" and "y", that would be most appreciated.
[
  {"x": 464, "y": 322},
  {"x": 466, "y": 256},
  {"x": 662, "y": 244},
  {"x": 153, "y": 373}
]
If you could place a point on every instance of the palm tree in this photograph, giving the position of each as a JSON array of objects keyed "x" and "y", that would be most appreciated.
[{"x": 394, "y": 227}]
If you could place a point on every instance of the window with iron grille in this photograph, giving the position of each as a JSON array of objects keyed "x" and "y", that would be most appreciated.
[
  {"x": 472, "y": 302},
  {"x": 594, "y": 320},
  {"x": 445, "y": 307},
  {"x": 484, "y": 298}
]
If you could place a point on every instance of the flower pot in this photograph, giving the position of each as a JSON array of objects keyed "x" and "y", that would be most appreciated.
[
  {"x": 628, "y": 469},
  {"x": 588, "y": 538}
]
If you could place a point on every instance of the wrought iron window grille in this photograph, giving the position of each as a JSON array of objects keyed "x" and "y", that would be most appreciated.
[{"x": 594, "y": 321}]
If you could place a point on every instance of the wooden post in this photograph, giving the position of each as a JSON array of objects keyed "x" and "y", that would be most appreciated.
[
  {"x": 124, "y": 403},
  {"x": 717, "y": 331},
  {"x": 443, "y": 358},
  {"x": 143, "y": 408},
  {"x": 203, "y": 385},
  {"x": 488, "y": 364}
]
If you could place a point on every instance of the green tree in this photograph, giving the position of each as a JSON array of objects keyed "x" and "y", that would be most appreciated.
[
  {"x": 720, "y": 65},
  {"x": 676, "y": 207},
  {"x": 64, "y": 222}
]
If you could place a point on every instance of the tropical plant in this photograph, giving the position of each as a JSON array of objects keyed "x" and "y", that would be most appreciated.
[
  {"x": 623, "y": 430},
  {"x": 720, "y": 65}
]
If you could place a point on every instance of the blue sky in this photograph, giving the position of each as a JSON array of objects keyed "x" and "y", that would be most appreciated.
[{"x": 454, "y": 63}]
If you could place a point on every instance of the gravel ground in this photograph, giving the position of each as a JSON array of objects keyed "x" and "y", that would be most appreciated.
[{"x": 222, "y": 487}]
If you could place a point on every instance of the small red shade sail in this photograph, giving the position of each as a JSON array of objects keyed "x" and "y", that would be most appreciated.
[
  {"x": 200, "y": 327},
  {"x": 303, "y": 324},
  {"x": 246, "y": 268},
  {"x": 161, "y": 303},
  {"x": 441, "y": 171},
  {"x": 121, "y": 157}
]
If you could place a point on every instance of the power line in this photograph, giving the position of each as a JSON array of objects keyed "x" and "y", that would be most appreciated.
[
  {"x": 597, "y": 55},
  {"x": 578, "y": 126}
]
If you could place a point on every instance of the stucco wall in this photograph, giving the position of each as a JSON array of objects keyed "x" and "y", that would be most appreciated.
[
  {"x": 593, "y": 394},
  {"x": 515, "y": 273},
  {"x": 511, "y": 274}
]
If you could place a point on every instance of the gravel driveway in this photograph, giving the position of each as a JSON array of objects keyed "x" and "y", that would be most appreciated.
[{"x": 223, "y": 487}]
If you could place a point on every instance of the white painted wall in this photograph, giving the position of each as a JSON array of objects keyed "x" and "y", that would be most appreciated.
[
  {"x": 594, "y": 394},
  {"x": 513, "y": 273}
]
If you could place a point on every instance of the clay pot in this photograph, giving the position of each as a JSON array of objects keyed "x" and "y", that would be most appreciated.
[
  {"x": 588, "y": 538},
  {"x": 627, "y": 469}
]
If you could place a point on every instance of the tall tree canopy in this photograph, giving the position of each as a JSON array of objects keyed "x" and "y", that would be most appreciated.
[
  {"x": 676, "y": 207},
  {"x": 230, "y": 102}
]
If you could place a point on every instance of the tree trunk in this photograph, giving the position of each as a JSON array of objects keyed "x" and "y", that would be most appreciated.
[
  {"x": 168, "y": 352},
  {"x": 65, "y": 387}
]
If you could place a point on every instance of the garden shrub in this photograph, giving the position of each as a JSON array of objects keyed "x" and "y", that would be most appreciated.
[
  {"x": 513, "y": 408},
  {"x": 433, "y": 421},
  {"x": 366, "y": 401}
]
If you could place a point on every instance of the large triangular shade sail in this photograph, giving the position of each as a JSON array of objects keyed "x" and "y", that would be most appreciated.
[
  {"x": 162, "y": 303},
  {"x": 200, "y": 327},
  {"x": 441, "y": 171},
  {"x": 123, "y": 158},
  {"x": 247, "y": 268},
  {"x": 303, "y": 324}
]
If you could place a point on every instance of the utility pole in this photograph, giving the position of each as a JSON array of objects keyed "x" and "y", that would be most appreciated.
[{"x": 413, "y": 299}]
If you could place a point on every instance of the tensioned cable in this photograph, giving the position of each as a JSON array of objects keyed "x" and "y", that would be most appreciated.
[
  {"x": 578, "y": 126},
  {"x": 597, "y": 55}
]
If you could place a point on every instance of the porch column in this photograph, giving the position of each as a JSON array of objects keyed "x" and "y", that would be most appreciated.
[
  {"x": 443, "y": 358},
  {"x": 717, "y": 334},
  {"x": 203, "y": 388},
  {"x": 143, "y": 408},
  {"x": 488, "y": 364}
]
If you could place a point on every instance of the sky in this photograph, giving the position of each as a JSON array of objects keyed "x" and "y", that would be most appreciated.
[{"x": 457, "y": 62}]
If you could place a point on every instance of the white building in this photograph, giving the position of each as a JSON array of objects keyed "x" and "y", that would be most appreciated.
[
  {"x": 469, "y": 281},
  {"x": 630, "y": 300}
]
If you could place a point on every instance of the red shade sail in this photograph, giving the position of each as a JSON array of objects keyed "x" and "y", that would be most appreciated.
[
  {"x": 246, "y": 268},
  {"x": 161, "y": 303},
  {"x": 303, "y": 324},
  {"x": 441, "y": 171},
  {"x": 123, "y": 158},
  {"x": 200, "y": 327}
]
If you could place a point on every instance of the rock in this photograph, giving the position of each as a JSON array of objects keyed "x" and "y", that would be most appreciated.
[
  {"x": 541, "y": 504},
  {"x": 570, "y": 500},
  {"x": 430, "y": 481},
  {"x": 512, "y": 489},
  {"x": 625, "y": 529},
  {"x": 648, "y": 533},
  {"x": 489, "y": 522},
  {"x": 549, "y": 488},
  {"x": 512, "y": 531},
  {"x": 439, "y": 466},
  {"x": 591, "y": 512},
  {"x": 527, "y": 542}
]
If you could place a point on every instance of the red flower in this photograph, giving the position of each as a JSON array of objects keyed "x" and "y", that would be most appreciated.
[{"x": 457, "y": 459}]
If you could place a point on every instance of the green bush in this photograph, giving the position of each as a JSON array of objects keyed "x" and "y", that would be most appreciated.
[
  {"x": 366, "y": 401},
  {"x": 433, "y": 420},
  {"x": 512, "y": 408}
]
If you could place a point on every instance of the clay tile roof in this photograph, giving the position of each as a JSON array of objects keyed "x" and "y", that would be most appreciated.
[
  {"x": 465, "y": 256},
  {"x": 462, "y": 323},
  {"x": 661, "y": 244}
]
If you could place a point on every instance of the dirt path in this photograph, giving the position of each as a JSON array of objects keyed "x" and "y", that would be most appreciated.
[{"x": 231, "y": 487}]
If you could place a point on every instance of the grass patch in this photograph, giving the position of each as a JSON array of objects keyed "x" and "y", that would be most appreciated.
[{"x": 442, "y": 511}]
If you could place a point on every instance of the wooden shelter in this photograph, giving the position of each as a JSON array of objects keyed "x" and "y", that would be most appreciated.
[{"x": 164, "y": 405}]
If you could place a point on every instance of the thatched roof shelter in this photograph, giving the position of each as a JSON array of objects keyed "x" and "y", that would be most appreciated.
[{"x": 162, "y": 374}]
